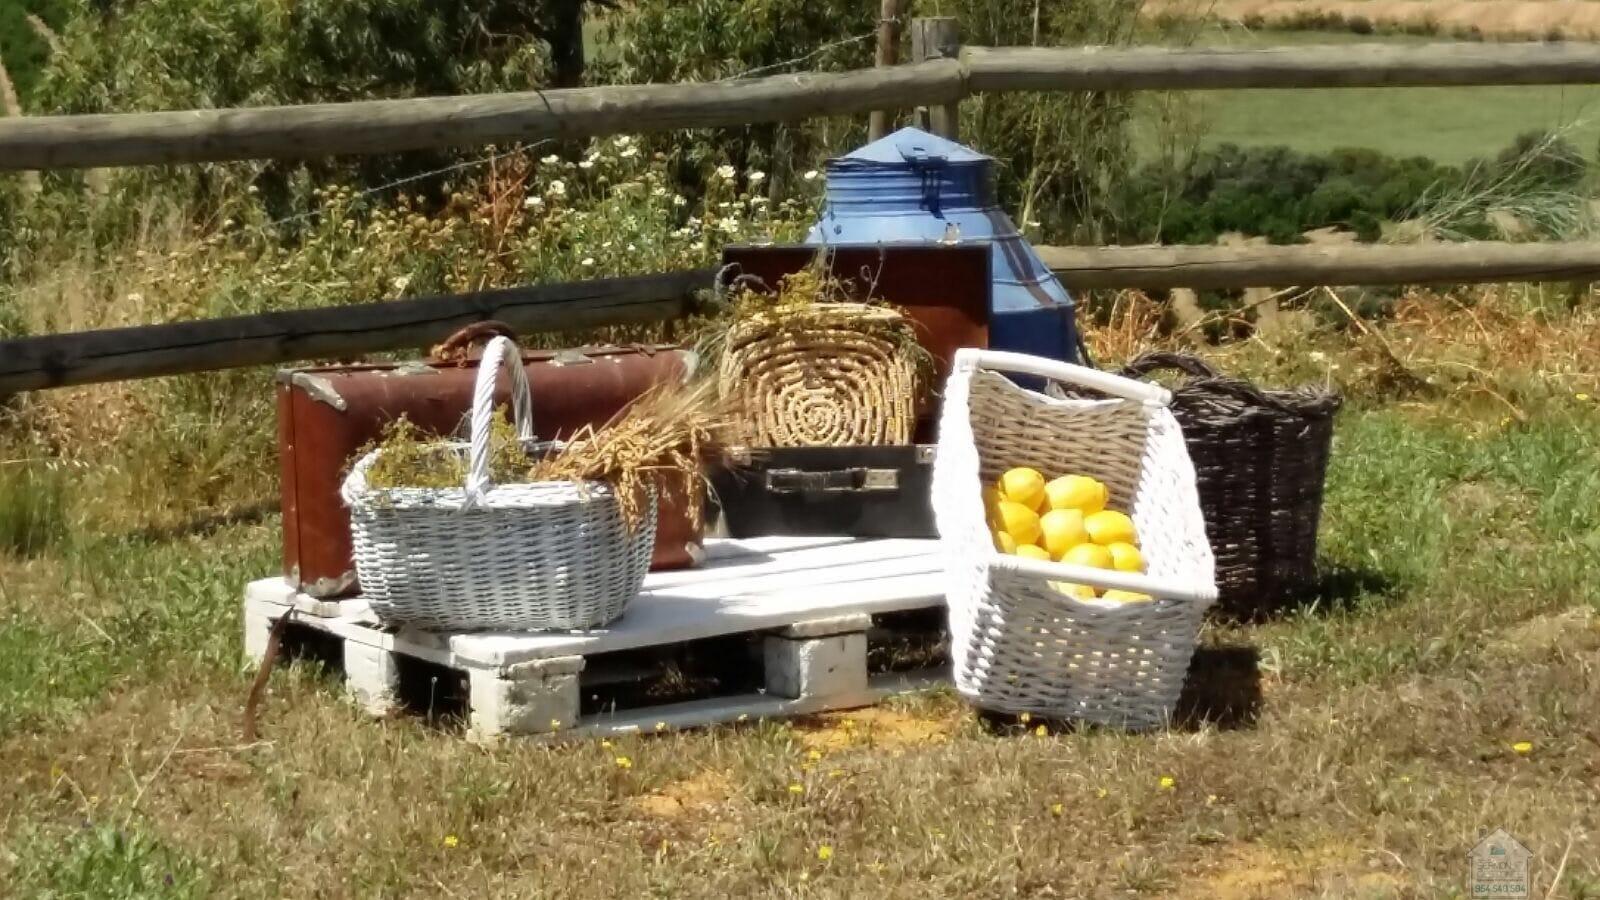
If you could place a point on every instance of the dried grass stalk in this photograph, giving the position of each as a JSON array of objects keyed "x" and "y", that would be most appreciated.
[{"x": 659, "y": 439}]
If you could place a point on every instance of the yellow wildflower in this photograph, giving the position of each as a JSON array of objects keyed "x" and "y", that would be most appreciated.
[
  {"x": 796, "y": 788},
  {"x": 1024, "y": 718},
  {"x": 605, "y": 743},
  {"x": 452, "y": 841},
  {"x": 1582, "y": 398},
  {"x": 1523, "y": 747},
  {"x": 1101, "y": 793},
  {"x": 825, "y": 853},
  {"x": 1168, "y": 782},
  {"x": 1056, "y": 809},
  {"x": 661, "y": 726},
  {"x": 1041, "y": 731},
  {"x": 814, "y": 755},
  {"x": 624, "y": 763}
]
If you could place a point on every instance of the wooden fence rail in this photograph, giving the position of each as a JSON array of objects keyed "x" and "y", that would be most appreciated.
[
  {"x": 1201, "y": 268},
  {"x": 63, "y": 360},
  {"x": 384, "y": 126}
]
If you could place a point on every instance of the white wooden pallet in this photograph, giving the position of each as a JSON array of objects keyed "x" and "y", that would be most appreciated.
[{"x": 812, "y": 601}]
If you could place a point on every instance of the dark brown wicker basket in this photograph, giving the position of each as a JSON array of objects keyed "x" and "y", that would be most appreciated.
[{"x": 1260, "y": 458}]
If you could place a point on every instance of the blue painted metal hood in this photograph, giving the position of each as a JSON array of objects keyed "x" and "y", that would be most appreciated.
[{"x": 915, "y": 187}]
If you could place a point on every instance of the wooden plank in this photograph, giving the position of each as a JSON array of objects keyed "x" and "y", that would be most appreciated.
[
  {"x": 935, "y": 38},
  {"x": 655, "y": 619},
  {"x": 888, "y": 53},
  {"x": 747, "y": 707},
  {"x": 783, "y": 560},
  {"x": 387, "y": 126},
  {"x": 1162, "y": 268},
  {"x": 769, "y": 598},
  {"x": 991, "y": 69},
  {"x": 392, "y": 126},
  {"x": 336, "y": 332}
]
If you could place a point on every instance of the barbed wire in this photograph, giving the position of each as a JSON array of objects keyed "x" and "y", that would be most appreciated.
[
  {"x": 461, "y": 166},
  {"x": 842, "y": 42}
]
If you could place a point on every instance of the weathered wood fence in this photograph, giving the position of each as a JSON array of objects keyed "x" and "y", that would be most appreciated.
[{"x": 941, "y": 75}]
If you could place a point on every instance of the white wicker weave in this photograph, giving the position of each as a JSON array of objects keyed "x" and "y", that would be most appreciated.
[
  {"x": 1018, "y": 645},
  {"x": 552, "y": 555}
]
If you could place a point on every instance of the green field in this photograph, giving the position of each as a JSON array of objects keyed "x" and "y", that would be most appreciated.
[{"x": 1448, "y": 124}]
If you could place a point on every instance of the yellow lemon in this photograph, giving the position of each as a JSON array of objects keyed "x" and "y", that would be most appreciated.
[
  {"x": 1088, "y": 555},
  {"x": 1126, "y": 596},
  {"x": 1005, "y": 543},
  {"x": 1081, "y": 591},
  {"x": 1109, "y": 527},
  {"x": 1032, "y": 551},
  {"x": 1019, "y": 521},
  {"x": 1023, "y": 485},
  {"x": 1078, "y": 492},
  {"x": 1126, "y": 557},
  {"x": 1063, "y": 530}
]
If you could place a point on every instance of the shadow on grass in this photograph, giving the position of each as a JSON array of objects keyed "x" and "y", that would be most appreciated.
[
  {"x": 1337, "y": 588},
  {"x": 1222, "y": 690}
]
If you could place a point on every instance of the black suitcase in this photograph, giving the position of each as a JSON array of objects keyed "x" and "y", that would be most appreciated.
[{"x": 816, "y": 491}]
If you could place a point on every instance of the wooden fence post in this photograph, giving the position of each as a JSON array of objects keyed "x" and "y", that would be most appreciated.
[
  {"x": 937, "y": 38},
  {"x": 888, "y": 55}
]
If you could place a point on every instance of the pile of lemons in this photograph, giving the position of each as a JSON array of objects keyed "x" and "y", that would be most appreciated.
[{"x": 1064, "y": 520}]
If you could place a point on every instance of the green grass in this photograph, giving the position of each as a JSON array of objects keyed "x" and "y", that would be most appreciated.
[
  {"x": 1459, "y": 618},
  {"x": 1451, "y": 125},
  {"x": 26, "y": 53}
]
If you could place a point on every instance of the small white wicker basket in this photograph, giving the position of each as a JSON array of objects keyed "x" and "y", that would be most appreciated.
[
  {"x": 1018, "y": 645},
  {"x": 552, "y": 555}
]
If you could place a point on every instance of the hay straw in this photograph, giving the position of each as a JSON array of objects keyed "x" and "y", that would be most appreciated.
[
  {"x": 806, "y": 365},
  {"x": 658, "y": 440}
]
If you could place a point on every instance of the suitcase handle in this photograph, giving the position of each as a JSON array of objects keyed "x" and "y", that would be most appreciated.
[
  {"x": 858, "y": 480},
  {"x": 502, "y": 352}
]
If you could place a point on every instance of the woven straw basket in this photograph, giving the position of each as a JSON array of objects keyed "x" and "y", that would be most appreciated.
[
  {"x": 840, "y": 375},
  {"x": 1261, "y": 459},
  {"x": 1020, "y": 646},
  {"x": 552, "y": 555}
]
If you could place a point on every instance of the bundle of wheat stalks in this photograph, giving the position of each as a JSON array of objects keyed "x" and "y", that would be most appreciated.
[{"x": 657, "y": 441}]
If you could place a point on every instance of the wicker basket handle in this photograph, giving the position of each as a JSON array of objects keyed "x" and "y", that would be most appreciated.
[
  {"x": 501, "y": 352},
  {"x": 1206, "y": 379},
  {"x": 1106, "y": 579},
  {"x": 1155, "y": 360},
  {"x": 968, "y": 359}
]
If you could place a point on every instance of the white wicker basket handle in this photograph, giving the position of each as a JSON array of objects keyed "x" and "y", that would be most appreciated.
[
  {"x": 968, "y": 359},
  {"x": 1104, "y": 579},
  {"x": 502, "y": 351}
]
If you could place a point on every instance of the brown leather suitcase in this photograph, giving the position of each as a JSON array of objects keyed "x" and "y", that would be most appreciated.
[{"x": 326, "y": 414}]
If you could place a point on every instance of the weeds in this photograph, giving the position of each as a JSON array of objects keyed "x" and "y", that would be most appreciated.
[{"x": 33, "y": 515}]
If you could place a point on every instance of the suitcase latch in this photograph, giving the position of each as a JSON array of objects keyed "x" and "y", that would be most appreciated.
[
  {"x": 839, "y": 481},
  {"x": 571, "y": 358}
]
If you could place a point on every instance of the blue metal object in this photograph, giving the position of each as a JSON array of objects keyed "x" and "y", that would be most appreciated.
[{"x": 915, "y": 187}]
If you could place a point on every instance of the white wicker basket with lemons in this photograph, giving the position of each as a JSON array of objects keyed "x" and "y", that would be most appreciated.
[{"x": 1064, "y": 520}]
